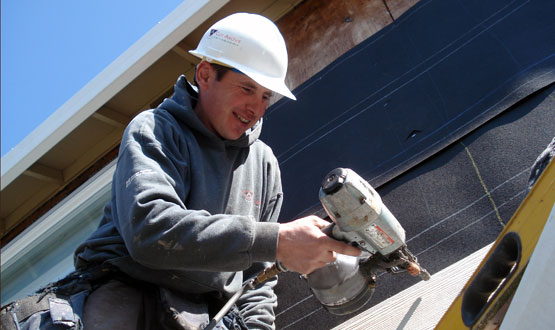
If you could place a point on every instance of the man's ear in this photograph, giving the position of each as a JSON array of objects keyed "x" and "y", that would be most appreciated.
[{"x": 202, "y": 74}]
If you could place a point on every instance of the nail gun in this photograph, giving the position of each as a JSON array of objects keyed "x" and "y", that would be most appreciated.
[{"x": 359, "y": 218}]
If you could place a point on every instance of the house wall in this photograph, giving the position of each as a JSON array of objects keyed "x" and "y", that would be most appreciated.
[{"x": 316, "y": 33}]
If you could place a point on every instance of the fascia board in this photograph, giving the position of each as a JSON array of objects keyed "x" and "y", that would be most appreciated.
[
  {"x": 56, "y": 218},
  {"x": 135, "y": 60}
]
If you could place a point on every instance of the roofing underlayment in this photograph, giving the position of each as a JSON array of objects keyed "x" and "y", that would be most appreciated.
[{"x": 444, "y": 111}]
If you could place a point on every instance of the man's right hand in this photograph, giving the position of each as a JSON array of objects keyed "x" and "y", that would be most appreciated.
[{"x": 303, "y": 247}]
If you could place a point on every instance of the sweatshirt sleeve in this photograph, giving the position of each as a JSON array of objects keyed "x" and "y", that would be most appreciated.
[
  {"x": 158, "y": 229},
  {"x": 257, "y": 305}
]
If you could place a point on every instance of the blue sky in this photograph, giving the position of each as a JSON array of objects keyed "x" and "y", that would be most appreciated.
[{"x": 51, "y": 49}]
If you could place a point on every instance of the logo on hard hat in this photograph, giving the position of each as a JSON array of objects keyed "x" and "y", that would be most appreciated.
[{"x": 214, "y": 33}]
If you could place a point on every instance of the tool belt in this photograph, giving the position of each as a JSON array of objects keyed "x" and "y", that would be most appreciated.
[
  {"x": 60, "y": 305},
  {"x": 44, "y": 311},
  {"x": 56, "y": 306}
]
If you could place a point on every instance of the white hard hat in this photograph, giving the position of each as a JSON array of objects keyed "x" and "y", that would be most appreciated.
[{"x": 251, "y": 44}]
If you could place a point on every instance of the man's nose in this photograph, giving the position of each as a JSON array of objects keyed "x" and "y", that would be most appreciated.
[{"x": 256, "y": 106}]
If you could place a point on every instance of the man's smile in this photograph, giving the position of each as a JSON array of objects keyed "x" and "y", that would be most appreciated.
[{"x": 242, "y": 119}]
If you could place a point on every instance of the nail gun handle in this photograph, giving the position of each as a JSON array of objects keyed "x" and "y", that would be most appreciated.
[
  {"x": 328, "y": 230},
  {"x": 336, "y": 234}
]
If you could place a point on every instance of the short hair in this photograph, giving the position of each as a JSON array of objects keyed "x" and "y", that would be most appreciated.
[{"x": 221, "y": 70}]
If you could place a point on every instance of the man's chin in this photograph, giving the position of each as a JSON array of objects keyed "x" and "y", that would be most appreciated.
[{"x": 233, "y": 136}]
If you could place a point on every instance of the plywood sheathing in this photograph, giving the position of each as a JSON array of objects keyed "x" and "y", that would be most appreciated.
[{"x": 317, "y": 32}]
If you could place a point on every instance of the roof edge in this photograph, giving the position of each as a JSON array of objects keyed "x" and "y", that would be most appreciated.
[{"x": 137, "y": 58}]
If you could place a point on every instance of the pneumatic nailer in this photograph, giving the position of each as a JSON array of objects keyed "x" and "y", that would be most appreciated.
[{"x": 361, "y": 219}]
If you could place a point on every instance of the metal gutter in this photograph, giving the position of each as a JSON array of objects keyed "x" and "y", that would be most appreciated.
[{"x": 141, "y": 55}]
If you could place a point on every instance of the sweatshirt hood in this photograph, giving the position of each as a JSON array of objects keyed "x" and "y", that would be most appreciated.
[{"x": 181, "y": 106}]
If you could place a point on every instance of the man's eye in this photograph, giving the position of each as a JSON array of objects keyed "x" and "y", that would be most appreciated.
[{"x": 246, "y": 89}]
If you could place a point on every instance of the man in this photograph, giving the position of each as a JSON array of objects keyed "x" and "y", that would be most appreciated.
[{"x": 196, "y": 197}]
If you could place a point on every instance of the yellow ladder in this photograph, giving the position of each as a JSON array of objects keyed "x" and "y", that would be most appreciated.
[{"x": 487, "y": 295}]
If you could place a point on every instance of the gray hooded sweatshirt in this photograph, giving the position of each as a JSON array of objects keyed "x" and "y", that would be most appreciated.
[{"x": 189, "y": 211}]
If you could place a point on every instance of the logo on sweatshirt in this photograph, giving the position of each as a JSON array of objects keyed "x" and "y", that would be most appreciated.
[
  {"x": 249, "y": 197},
  {"x": 136, "y": 175}
]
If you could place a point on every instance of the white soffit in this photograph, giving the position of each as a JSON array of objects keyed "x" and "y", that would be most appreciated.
[{"x": 141, "y": 55}]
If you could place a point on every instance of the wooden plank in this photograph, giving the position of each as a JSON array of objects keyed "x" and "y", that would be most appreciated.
[
  {"x": 12, "y": 219},
  {"x": 87, "y": 159},
  {"x": 111, "y": 117},
  {"x": 279, "y": 8},
  {"x": 318, "y": 31},
  {"x": 399, "y": 7},
  {"x": 422, "y": 305},
  {"x": 42, "y": 172}
]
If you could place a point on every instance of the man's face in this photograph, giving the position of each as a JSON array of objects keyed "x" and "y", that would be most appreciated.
[{"x": 230, "y": 106}]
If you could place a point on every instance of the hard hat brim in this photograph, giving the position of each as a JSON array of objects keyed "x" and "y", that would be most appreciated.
[{"x": 275, "y": 84}]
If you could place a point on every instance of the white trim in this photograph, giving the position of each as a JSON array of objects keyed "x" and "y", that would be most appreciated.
[
  {"x": 141, "y": 55},
  {"x": 56, "y": 218}
]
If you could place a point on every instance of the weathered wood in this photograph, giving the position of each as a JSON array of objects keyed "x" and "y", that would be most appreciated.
[
  {"x": 399, "y": 7},
  {"x": 318, "y": 31}
]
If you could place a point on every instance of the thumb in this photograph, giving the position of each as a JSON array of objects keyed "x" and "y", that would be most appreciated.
[{"x": 319, "y": 222}]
